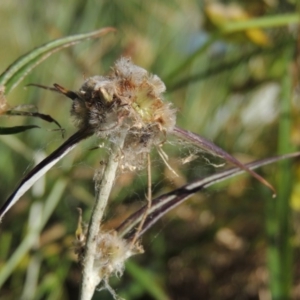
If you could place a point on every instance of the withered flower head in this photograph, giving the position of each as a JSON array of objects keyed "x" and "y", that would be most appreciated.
[{"x": 128, "y": 99}]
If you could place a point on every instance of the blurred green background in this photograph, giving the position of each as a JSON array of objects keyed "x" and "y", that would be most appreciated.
[{"x": 238, "y": 88}]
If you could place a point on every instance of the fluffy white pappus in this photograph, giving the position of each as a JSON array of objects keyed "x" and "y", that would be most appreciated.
[
  {"x": 169, "y": 116},
  {"x": 126, "y": 69},
  {"x": 91, "y": 83},
  {"x": 158, "y": 86},
  {"x": 111, "y": 254}
]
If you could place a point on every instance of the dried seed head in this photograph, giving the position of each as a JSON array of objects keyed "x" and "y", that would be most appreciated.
[
  {"x": 128, "y": 99},
  {"x": 111, "y": 251},
  {"x": 111, "y": 254}
]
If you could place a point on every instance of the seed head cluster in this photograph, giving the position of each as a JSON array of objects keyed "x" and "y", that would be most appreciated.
[
  {"x": 128, "y": 99},
  {"x": 110, "y": 254}
]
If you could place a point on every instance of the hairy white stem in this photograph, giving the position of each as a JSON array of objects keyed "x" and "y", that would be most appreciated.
[{"x": 91, "y": 277}]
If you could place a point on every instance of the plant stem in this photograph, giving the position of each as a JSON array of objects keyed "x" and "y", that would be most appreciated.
[
  {"x": 149, "y": 203},
  {"x": 90, "y": 276}
]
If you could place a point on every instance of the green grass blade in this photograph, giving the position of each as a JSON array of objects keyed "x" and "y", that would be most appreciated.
[
  {"x": 12, "y": 76},
  {"x": 30, "y": 239},
  {"x": 190, "y": 59},
  {"x": 263, "y": 22},
  {"x": 280, "y": 251},
  {"x": 147, "y": 280}
]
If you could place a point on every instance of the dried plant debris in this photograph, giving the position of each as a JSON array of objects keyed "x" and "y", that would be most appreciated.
[
  {"x": 127, "y": 101},
  {"x": 21, "y": 110},
  {"x": 3, "y": 102},
  {"x": 30, "y": 111},
  {"x": 110, "y": 254}
]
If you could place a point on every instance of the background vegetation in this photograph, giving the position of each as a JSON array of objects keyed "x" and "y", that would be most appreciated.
[{"x": 239, "y": 88}]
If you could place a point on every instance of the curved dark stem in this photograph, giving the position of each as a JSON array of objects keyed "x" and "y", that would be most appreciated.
[
  {"x": 207, "y": 145},
  {"x": 57, "y": 88},
  {"x": 40, "y": 169}
]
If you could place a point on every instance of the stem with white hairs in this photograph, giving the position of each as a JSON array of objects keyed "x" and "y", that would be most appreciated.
[{"x": 90, "y": 276}]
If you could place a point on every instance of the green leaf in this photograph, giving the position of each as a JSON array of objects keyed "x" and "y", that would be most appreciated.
[{"x": 16, "y": 72}]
